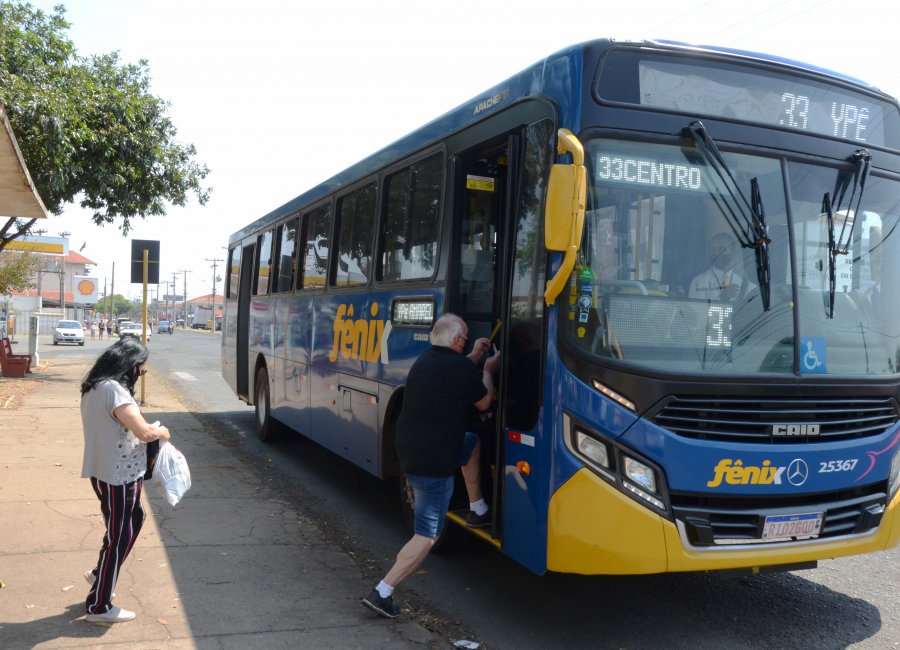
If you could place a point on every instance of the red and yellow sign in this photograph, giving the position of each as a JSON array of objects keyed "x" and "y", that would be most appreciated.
[
  {"x": 43, "y": 245},
  {"x": 86, "y": 289}
]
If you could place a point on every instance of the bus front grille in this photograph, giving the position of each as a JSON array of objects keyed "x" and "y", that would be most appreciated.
[
  {"x": 715, "y": 521},
  {"x": 776, "y": 419}
]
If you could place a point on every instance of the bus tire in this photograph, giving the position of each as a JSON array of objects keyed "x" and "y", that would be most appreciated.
[{"x": 265, "y": 428}]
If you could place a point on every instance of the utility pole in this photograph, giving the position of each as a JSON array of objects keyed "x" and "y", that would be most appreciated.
[
  {"x": 184, "y": 297},
  {"x": 173, "y": 285},
  {"x": 112, "y": 290},
  {"x": 215, "y": 261}
]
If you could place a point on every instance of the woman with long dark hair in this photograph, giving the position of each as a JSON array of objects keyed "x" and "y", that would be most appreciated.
[{"x": 115, "y": 458}]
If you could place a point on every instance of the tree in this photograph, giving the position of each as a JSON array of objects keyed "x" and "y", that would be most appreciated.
[
  {"x": 88, "y": 127},
  {"x": 17, "y": 271},
  {"x": 114, "y": 305}
]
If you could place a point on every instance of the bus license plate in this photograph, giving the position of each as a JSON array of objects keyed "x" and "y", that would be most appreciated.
[{"x": 808, "y": 524}]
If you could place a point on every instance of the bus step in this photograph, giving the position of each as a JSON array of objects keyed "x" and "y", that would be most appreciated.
[{"x": 458, "y": 517}]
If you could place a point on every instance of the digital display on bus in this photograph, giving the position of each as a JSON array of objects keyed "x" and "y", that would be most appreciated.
[
  {"x": 699, "y": 87},
  {"x": 413, "y": 312},
  {"x": 645, "y": 321}
]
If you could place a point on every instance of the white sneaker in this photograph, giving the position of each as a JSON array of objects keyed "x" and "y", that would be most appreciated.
[
  {"x": 114, "y": 615},
  {"x": 90, "y": 578}
]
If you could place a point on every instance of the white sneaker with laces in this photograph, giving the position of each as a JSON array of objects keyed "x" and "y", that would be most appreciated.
[{"x": 114, "y": 615}]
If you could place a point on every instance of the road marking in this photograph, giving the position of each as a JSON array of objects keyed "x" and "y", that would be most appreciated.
[{"x": 184, "y": 376}]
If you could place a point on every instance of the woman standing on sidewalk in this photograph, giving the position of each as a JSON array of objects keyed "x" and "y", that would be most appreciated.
[{"x": 115, "y": 458}]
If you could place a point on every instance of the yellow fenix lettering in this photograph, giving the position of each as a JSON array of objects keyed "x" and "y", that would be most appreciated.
[
  {"x": 356, "y": 339},
  {"x": 733, "y": 472}
]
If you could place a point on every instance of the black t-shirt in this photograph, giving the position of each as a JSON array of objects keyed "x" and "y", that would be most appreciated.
[{"x": 441, "y": 387}]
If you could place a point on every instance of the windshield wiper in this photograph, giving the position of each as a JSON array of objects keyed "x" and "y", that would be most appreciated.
[
  {"x": 749, "y": 223},
  {"x": 839, "y": 245}
]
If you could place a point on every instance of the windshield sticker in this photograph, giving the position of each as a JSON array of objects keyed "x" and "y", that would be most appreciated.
[{"x": 812, "y": 351}]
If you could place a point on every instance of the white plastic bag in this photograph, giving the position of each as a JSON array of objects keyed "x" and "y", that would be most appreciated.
[{"x": 172, "y": 476}]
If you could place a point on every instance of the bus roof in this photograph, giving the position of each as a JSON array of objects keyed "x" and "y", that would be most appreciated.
[{"x": 529, "y": 81}]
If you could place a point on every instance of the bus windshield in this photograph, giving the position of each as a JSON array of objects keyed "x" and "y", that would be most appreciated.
[{"x": 667, "y": 277}]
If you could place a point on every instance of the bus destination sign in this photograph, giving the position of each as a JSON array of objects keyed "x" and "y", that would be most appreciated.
[{"x": 705, "y": 87}]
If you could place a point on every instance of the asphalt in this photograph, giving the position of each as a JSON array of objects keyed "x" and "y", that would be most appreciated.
[{"x": 234, "y": 565}]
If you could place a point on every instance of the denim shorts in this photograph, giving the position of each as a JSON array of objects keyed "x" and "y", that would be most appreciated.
[{"x": 433, "y": 494}]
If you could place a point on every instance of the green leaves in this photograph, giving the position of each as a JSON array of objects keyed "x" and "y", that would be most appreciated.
[
  {"x": 89, "y": 128},
  {"x": 17, "y": 270}
]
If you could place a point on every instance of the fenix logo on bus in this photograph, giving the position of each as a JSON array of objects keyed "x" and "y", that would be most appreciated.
[{"x": 364, "y": 338}]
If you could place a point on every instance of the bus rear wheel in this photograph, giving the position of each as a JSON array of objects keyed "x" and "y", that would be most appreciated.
[{"x": 265, "y": 428}]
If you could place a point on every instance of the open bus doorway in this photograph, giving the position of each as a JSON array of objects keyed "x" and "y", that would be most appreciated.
[{"x": 483, "y": 186}]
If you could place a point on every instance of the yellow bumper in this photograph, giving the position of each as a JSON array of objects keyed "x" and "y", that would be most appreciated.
[{"x": 595, "y": 529}]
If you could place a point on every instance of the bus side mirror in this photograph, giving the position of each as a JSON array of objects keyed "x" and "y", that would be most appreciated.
[{"x": 564, "y": 214}]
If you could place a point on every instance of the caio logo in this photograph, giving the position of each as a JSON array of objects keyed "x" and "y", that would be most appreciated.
[{"x": 793, "y": 430}]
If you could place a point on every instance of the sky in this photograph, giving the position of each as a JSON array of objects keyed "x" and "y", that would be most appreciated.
[{"x": 278, "y": 96}]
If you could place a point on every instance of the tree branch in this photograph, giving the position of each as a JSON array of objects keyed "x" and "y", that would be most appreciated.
[{"x": 4, "y": 239}]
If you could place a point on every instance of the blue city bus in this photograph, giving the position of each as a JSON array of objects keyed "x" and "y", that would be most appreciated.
[{"x": 662, "y": 406}]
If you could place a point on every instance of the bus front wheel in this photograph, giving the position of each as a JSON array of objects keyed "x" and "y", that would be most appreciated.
[{"x": 264, "y": 426}]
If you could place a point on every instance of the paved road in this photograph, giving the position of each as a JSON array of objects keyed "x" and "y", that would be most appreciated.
[{"x": 851, "y": 602}]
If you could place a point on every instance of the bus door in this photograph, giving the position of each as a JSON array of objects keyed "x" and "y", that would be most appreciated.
[
  {"x": 484, "y": 184},
  {"x": 242, "y": 345}
]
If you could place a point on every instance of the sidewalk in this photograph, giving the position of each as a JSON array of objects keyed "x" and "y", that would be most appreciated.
[{"x": 234, "y": 565}]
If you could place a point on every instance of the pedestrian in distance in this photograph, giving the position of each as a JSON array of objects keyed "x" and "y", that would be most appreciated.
[
  {"x": 109, "y": 329},
  {"x": 93, "y": 329},
  {"x": 432, "y": 441},
  {"x": 115, "y": 459}
]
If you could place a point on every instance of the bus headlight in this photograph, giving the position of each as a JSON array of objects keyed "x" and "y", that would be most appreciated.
[
  {"x": 640, "y": 474},
  {"x": 894, "y": 476},
  {"x": 592, "y": 449},
  {"x": 640, "y": 480}
]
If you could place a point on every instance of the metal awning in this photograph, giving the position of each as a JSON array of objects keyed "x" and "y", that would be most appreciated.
[{"x": 18, "y": 196}]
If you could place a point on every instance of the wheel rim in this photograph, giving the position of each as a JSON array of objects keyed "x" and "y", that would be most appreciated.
[{"x": 262, "y": 403}]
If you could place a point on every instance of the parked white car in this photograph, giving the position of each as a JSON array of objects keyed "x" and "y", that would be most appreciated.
[
  {"x": 133, "y": 329},
  {"x": 68, "y": 331}
]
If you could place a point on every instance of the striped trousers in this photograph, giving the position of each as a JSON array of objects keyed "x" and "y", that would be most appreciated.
[{"x": 123, "y": 515}]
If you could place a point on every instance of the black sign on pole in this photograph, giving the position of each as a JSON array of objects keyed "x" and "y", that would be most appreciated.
[{"x": 138, "y": 246}]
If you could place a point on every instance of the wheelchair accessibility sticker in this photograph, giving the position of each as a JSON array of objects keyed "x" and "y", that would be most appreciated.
[{"x": 812, "y": 355}]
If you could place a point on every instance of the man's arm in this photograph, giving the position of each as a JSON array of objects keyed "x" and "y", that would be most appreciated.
[{"x": 491, "y": 366}]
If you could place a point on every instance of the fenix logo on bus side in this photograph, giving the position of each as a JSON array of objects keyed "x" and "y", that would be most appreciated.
[
  {"x": 789, "y": 430},
  {"x": 363, "y": 339}
]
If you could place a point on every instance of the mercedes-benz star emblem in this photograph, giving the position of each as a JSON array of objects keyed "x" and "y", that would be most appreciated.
[{"x": 797, "y": 472}]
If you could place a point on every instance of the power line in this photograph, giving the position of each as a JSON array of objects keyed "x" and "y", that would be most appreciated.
[
  {"x": 680, "y": 16},
  {"x": 782, "y": 20}
]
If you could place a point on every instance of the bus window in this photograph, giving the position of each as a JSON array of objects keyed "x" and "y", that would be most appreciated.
[
  {"x": 317, "y": 225},
  {"x": 356, "y": 216},
  {"x": 234, "y": 272},
  {"x": 286, "y": 259},
  {"x": 485, "y": 179},
  {"x": 263, "y": 264},
  {"x": 409, "y": 238}
]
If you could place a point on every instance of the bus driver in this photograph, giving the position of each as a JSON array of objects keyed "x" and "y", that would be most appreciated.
[{"x": 720, "y": 281}]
